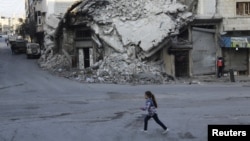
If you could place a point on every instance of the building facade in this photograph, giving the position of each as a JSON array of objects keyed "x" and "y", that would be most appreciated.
[
  {"x": 35, "y": 19},
  {"x": 204, "y": 37},
  {"x": 235, "y": 34},
  {"x": 96, "y": 38},
  {"x": 9, "y": 25},
  {"x": 38, "y": 11},
  {"x": 221, "y": 29}
]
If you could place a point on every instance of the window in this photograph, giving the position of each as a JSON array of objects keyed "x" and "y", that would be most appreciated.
[
  {"x": 39, "y": 18},
  {"x": 243, "y": 8},
  {"x": 83, "y": 34}
]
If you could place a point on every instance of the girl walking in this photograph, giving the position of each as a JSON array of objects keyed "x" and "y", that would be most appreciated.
[{"x": 150, "y": 107}]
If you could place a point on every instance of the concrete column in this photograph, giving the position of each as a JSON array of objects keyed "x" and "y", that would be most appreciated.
[
  {"x": 91, "y": 57},
  {"x": 81, "y": 59},
  {"x": 190, "y": 66},
  {"x": 190, "y": 38},
  {"x": 218, "y": 48},
  {"x": 248, "y": 62},
  {"x": 61, "y": 42},
  {"x": 169, "y": 61}
]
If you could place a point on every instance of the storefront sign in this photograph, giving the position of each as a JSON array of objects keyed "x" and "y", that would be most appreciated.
[{"x": 235, "y": 42}]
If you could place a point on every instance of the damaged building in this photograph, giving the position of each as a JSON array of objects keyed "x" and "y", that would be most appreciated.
[
  {"x": 147, "y": 41},
  {"x": 121, "y": 40},
  {"x": 221, "y": 29}
]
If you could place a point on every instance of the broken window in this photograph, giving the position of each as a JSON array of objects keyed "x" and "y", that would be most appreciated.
[
  {"x": 83, "y": 34},
  {"x": 243, "y": 8},
  {"x": 38, "y": 18}
]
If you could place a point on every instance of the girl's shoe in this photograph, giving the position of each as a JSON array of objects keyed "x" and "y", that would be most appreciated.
[
  {"x": 165, "y": 131},
  {"x": 145, "y": 131}
]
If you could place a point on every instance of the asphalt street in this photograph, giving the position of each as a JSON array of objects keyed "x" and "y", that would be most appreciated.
[{"x": 38, "y": 106}]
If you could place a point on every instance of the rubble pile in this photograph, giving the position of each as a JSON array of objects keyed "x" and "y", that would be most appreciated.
[
  {"x": 133, "y": 28},
  {"x": 55, "y": 63},
  {"x": 120, "y": 69},
  {"x": 50, "y": 60}
]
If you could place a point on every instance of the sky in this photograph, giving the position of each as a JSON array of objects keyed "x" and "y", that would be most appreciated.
[{"x": 11, "y": 8}]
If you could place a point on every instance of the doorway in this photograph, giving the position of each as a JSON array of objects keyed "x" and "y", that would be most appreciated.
[
  {"x": 86, "y": 58},
  {"x": 181, "y": 63}
]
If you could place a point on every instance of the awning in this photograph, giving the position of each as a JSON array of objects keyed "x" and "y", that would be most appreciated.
[{"x": 235, "y": 42}]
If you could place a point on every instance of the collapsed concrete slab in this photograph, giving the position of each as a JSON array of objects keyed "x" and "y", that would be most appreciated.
[
  {"x": 105, "y": 30},
  {"x": 144, "y": 23}
]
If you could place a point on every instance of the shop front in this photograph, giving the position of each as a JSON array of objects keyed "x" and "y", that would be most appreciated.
[{"x": 235, "y": 51}]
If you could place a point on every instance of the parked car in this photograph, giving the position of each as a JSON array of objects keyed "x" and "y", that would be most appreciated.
[
  {"x": 6, "y": 37},
  {"x": 33, "y": 50},
  {"x": 12, "y": 39},
  {"x": 19, "y": 46},
  {"x": 1, "y": 38}
]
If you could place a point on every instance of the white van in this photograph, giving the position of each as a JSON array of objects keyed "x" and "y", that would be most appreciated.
[{"x": 33, "y": 50}]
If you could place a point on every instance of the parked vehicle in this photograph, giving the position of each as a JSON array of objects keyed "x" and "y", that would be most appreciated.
[
  {"x": 19, "y": 46},
  {"x": 12, "y": 39},
  {"x": 5, "y": 37},
  {"x": 1, "y": 38},
  {"x": 33, "y": 50}
]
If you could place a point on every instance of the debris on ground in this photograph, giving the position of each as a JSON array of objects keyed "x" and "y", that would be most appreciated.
[{"x": 120, "y": 23}]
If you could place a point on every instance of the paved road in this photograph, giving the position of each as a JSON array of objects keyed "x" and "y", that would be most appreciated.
[{"x": 37, "y": 106}]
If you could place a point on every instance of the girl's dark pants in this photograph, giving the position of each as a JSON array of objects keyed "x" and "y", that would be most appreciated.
[{"x": 155, "y": 117}]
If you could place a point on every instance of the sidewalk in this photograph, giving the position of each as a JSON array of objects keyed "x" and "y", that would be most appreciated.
[{"x": 213, "y": 78}]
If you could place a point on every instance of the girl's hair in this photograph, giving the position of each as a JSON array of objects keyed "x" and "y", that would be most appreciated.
[{"x": 150, "y": 95}]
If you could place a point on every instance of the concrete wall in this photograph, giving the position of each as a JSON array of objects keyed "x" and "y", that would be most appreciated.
[
  {"x": 40, "y": 6},
  {"x": 58, "y": 6},
  {"x": 68, "y": 41},
  {"x": 236, "y": 23},
  {"x": 227, "y": 8},
  {"x": 231, "y": 21},
  {"x": 168, "y": 59},
  {"x": 206, "y": 8},
  {"x": 61, "y": 6}
]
